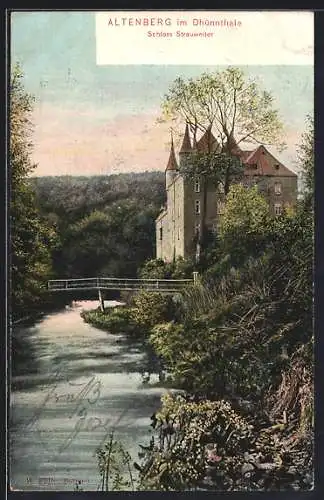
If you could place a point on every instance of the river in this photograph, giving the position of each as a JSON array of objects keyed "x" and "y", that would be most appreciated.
[{"x": 73, "y": 385}]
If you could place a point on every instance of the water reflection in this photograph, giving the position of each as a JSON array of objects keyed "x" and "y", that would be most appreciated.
[
  {"x": 102, "y": 382},
  {"x": 23, "y": 353}
]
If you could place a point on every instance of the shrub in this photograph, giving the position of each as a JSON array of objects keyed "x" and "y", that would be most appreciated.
[
  {"x": 115, "y": 466},
  {"x": 148, "y": 309},
  {"x": 158, "y": 269},
  {"x": 190, "y": 435},
  {"x": 209, "y": 445},
  {"x": 116, "y": 320},
  {"x": 153, "y": 269},
  {"x": 151, "y": 308}
]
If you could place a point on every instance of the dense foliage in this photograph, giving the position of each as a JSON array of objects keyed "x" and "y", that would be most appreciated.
[
  {"x": 156, "y": 268},
  {"x": 237, "y": 106},
  {"x": 245, "y": 336},
  {"x": 306, "y": 161},
  {"x": 32, "y": 237},
  {"x": 106, "y": 223},
  {"x": 146, "y": 310},
  {"x": 201, "y": 445}
]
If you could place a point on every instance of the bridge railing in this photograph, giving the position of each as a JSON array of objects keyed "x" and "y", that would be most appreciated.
[
  {"x": 117, "y": 284},
  {"x": 152, "y": 284},
  {"x": 65, "y": 284}
]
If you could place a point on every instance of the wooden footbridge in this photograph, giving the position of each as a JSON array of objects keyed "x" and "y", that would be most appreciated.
[{"x": 119, "y": 284}]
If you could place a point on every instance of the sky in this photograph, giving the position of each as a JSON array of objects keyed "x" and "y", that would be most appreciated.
[{"x": 93, "y": 120}]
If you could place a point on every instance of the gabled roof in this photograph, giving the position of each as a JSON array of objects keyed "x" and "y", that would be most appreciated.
[
  {"x": 207, "y": 143},
  {"x": 186, "y": 144},
  {"x": 262, "y": 162},
  {"x": 259, "y": 161},
  {"x": 172, "y": 162}
]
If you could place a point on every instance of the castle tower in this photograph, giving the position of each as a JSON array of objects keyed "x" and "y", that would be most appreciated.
[
  {"x": 186, "y": 147},
  {"x": 172, "y": 166}
]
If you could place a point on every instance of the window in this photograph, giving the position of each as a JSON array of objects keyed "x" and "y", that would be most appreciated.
[
  {"x": 214, "y": 228},
  {"x": 220, "y": 188},
  {"x": 161, "y": 233},
  {"x": 179, "y": 210},
  {"x": 197, "y": 229},
  {"x": 197, "y": 186},
  {"x": 178, "y": 233},
  {"x": 197, "y": 207},
  {"x": 277, "y": 188},
  {"x": 276, "y": 166},
  {"x": 278, "y": 209}
]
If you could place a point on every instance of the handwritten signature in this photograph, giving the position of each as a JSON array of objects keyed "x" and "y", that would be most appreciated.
[{"x": 79, "y": 404}]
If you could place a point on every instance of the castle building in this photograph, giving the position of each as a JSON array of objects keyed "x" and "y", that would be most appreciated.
[{"x": 179, "y": 222}]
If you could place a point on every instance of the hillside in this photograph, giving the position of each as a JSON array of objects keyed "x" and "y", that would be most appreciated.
[{"x": 105, "y": 224}]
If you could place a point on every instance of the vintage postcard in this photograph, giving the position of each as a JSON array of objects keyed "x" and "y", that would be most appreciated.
[{"x": 161, "y": 209}]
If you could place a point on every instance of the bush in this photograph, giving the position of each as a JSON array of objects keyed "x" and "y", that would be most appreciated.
[
  {"x": 153, "y": 269},
  {"x": 209, "y": 445},
  {"x": 152, "y": 308},
  {"x": 182, "y": 268},
  {"x": 115, "y": 321},
  {"x": 148, "y": 309},
  {"x": 190, "y": 436},
  {"x": 212, "y": 361},
  {"x": 158, "y": 269}
]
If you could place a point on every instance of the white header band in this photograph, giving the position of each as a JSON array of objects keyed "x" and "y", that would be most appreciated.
[{"x": 204, "y": 37}]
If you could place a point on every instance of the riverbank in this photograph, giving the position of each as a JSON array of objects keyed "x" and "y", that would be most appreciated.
[
  {"x": 20, "y": 317},
  {"x": 114, "y": 320},
  {"x": 224, "y": 432},
  {"x": 137, "y": 318}
]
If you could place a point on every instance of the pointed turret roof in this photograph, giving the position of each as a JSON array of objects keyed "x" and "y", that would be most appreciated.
[
  {"x": 186, "y": 144},
  {"x": 231, "y": 147},
  {"x": 207, "y": 142},
  {"x": 172, "y": 162}
]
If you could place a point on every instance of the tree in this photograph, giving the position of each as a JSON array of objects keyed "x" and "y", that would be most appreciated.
[
  {"x": 240, "y": 112},
  {"x": 31, "y": 238},
  {"x": 237, "y": 108},
  {"x": 245, "y": 223},
  {"x": 246, "y": 211},
  {"x": 306, "y": 160},
  {"x": 88, "y": 245},
  {"x": 110, "y": 242}
]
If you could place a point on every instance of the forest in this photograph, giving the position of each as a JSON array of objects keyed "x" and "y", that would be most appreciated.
[
  {"x": 105, "y": 224},
  {"x": 239, "y": 345}
]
